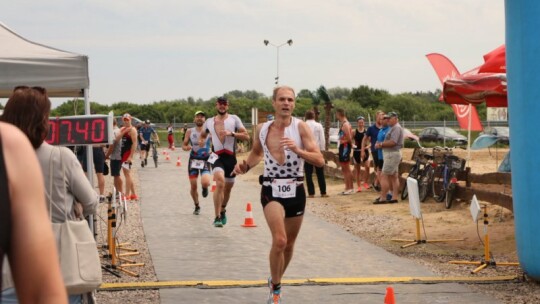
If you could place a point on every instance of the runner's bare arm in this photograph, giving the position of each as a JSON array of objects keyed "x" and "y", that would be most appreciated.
[
  {"x": 347, "y": 133},
  {"x": 133, "y": 133},
  {"x": 202, "y": 138},
  {"x": 311, "y": 152},
  {"x": 241, "y": 134},
  {"x": 254, "y": 157},
  {"x": 185, "y": 145}
]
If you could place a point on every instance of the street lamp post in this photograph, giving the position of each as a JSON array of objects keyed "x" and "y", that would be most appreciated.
[{"x": 289, "y": 42}]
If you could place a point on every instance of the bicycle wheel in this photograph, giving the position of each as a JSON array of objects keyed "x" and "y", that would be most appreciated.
[
  {"x": 425, "y": 182},
  {"x": 437, "y": 186},
  {"x": 155, "y": 157},
  {"x": 412, "y": 173},
  {"x": 450, "y": 191}
]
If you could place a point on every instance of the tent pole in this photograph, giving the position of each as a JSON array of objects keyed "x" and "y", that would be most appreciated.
[{"x": 469, "y": 134}]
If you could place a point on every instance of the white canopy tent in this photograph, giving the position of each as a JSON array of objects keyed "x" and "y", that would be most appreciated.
[
  {"x": 63, "y": 74},
  {"x": 23, "y": 62}
]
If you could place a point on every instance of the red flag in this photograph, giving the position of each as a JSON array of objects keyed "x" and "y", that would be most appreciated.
[
  {"x": 462, "y": 115},
  {"x": 445, "y": 70}
]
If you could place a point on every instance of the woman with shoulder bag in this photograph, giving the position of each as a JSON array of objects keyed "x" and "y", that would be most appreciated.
[{"x": 64, "y": 180}]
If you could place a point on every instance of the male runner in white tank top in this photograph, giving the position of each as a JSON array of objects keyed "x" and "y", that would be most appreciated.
[
  {"x": 225, "y": 130},
  {"x": 284, "y": 144}
]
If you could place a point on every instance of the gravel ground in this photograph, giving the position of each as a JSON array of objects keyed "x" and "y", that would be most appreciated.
[
  {"x": 130, "y": 231},
  {"x": 370, "y": 227}
]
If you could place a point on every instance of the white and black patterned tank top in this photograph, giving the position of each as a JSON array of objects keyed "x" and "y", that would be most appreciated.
[{"x": 294, "y": 165}]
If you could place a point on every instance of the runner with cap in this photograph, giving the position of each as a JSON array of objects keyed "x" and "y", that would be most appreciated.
[
  {"x": 198, "y": 159},
  {"x": 146, "y": 133},
  {"x": 225, "y": 130}
]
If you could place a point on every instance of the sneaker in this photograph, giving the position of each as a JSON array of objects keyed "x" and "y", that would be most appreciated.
[
  {"x": 366, "y": 186},
  {"x": 133, "y": 197},
  {"x": 205, "y": 192},
  {"x": 275, "y": 295},
  {"x": 218, "y": 223},
  {"x": 223, "y": 217},
  {"x": 142, "y": 163},
  {"x": 324, "y": 195},
  {"x": 359, "y": 189},
  {"x": 197, "y": 210},
  {"x": 311, "y": 196},
  {"x": 347, "y": 192}
]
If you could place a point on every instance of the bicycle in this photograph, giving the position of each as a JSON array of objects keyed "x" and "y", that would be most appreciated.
[
  {"x": 445, "y": 180},
  {"x": 416, "y": 170},
  {"x": 154, "y": 153}
]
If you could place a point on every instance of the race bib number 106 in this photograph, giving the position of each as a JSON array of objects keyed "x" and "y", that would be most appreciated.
[{"x": 284, "y": 188}]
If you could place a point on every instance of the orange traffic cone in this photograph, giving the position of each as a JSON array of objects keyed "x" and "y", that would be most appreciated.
[
  {"x": 248, "y": 221},
  {"x": 178, "y": 162},
  {"x": 167, "y": 157},
  {"x": 389, "y": 298}
]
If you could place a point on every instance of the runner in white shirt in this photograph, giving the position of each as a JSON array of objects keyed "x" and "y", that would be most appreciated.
[{"x": 225, "y": 130}]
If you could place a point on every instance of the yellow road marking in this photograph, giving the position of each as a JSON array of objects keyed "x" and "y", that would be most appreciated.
[{"x": 313, "y": 281}]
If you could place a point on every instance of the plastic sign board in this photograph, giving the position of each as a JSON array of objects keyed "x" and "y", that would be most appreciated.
[
  {"x": 80, "y": 130},
  {"x": 475, "y": 209},
  {"x": 414, "y": 197}
]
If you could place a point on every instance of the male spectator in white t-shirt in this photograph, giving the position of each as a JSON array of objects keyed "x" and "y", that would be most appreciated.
[{"x": 318, "y": 134}]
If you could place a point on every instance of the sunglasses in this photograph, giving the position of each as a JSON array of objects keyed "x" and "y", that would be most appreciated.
[{"x": 39, "y": 89}]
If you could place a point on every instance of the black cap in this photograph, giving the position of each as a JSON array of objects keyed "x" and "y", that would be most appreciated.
[{"x": 222, "y": 99}]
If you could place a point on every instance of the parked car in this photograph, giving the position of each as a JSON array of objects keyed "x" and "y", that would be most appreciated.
[
  {"x": 440, "y": 134},
  {"x": 502, "y": 133}
]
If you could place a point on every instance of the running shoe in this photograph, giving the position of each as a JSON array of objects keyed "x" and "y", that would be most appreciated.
[
  {"x": 142, "y": 163},
  {"x": 205, "y": 191},
  {"x": 359, "y": 189},
  {"x": 133, "y": 197},
  {"x": 347, "y": 192},
  {"x": 366, "y": 186},
  {"x": 223, "y": 217},
  {"x": 146, "y": 161},
  {"x": 197, "y": 210},
  {"x": 275, "y": 295},
  {"x": 218, "y": 223}
]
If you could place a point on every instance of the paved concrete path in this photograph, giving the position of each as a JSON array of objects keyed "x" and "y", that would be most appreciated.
[{"x": 184, "y": 246}]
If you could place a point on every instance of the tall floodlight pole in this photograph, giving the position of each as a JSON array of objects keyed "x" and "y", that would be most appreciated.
[{"x": 266, "y": 42}]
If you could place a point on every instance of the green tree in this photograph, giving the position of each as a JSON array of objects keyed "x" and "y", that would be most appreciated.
[{"x": 368, "y": 97}]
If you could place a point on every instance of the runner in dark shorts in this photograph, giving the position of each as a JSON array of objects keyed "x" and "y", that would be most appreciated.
[
  {"x": 293, "y": 206},
  {"x": 226, "y": 162},
  {"x": 356, "y": 156},
  {"x": 344, "y": 153}
]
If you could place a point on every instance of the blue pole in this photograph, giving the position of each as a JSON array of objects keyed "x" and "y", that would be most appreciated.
[{"x": 523, "y": 73}]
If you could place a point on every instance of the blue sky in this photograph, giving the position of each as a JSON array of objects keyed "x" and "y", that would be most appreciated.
[{"x": 144, "y": 51}]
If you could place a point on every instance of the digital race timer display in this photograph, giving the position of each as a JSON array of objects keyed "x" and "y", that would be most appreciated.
[{"x": 80, "y": 130}]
